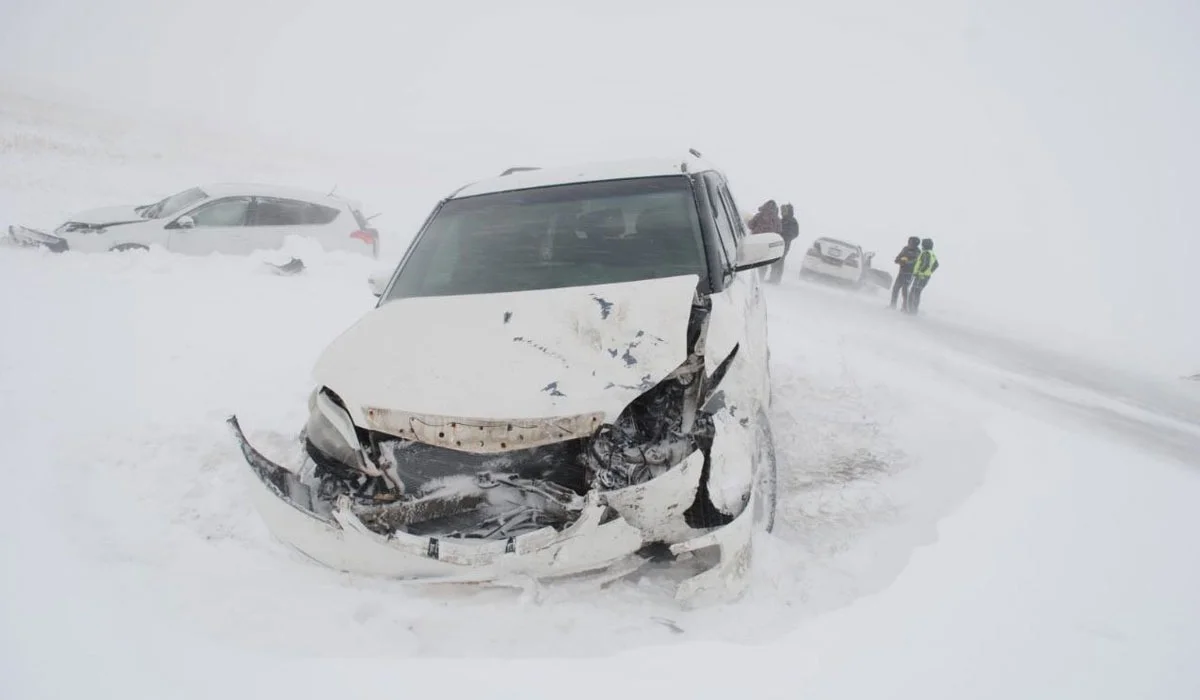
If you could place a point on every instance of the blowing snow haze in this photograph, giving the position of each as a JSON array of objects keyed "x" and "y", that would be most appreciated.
[
  {"x": 1046, "y": 147},
  {"x": 700, "y": 485}
]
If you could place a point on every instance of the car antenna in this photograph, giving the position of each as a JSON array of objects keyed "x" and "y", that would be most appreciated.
[
  {"x": 695, "y": 152},
  {"x": 332, "y": 191}
]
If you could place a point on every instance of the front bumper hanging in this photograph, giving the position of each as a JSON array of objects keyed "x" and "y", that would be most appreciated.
[{"x": 596, "y": 546}]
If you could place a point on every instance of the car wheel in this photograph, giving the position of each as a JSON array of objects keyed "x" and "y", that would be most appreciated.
[
  {"x": 127, "y": 247},
  {"x": 766, "y": 475}
]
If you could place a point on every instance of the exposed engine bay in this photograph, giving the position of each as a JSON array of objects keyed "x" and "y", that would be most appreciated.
[{"x": 489, "y": 491}]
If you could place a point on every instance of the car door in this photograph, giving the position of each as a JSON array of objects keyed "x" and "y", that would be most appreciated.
[{"x": 218, "y": 226}]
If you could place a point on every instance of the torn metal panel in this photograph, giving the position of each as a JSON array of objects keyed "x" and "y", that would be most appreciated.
[{"x": 724, "y": 329}]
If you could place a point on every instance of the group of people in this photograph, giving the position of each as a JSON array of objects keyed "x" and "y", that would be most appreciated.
[
  {"x": 917, "y": 263},
  {"x": 917, "y": 260},
  {"x": 773, "y": 219}
]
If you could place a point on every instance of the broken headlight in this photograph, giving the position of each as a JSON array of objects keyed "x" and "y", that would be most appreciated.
[
  {"x": 330, "y": 434},
  {"x": 656, "y": 431}
]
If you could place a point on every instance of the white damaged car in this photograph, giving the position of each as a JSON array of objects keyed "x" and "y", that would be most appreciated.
[
  {"x": 233, "y": 219},
  {"x": 567, "y": 374}
]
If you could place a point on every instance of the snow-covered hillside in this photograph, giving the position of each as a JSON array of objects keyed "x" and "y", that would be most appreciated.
[{"x": 964, "y": 514}]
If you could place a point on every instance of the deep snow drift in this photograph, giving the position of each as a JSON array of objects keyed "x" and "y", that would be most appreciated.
[
  {"x": 132, "y": 539},
  {"x": 963, "y": 514},
  {"x": 163, "y": 348}
]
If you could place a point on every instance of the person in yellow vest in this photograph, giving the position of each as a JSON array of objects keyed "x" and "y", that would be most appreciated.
[{"x": 926, "y": 265}]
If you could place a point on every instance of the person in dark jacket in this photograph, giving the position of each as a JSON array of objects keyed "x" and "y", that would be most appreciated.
[
  {"x": 923, "y": 269},
  {"x": 767, "y": 218},
  {"x": 790, "y": 230},
  {"x": 906, "y": 259}
]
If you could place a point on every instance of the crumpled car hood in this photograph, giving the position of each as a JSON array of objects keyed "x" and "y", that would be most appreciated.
[
  {"x": 107, "y": 215},
  {"x": 532, "y": 354}
]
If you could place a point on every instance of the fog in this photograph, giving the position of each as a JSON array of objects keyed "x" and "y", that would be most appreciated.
[{"x": 1047, "y": 148}]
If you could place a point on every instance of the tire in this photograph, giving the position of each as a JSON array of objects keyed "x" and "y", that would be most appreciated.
[
  {"x": 125, "y": 247},
  {"x": 766, "y": 475}
]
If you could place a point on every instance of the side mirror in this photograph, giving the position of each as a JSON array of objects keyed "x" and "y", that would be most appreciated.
[
  {"x": 185, "y": 221},
  {"x": 378, "y": 281},
  {"x": 759, "y": 249}
]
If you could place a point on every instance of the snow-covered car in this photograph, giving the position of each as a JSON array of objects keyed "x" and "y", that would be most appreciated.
[
  {"x": 215, "y": 218},
  {"x": 839, "y": 261},
  {"x": 566, "y": 374}
]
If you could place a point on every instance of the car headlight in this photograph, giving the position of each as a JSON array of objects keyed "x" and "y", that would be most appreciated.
[
  {"x": 656, "y": 431},
  {"x": 330, "y": 433}
]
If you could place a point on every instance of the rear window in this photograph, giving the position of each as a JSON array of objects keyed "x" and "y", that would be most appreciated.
[
  {"x": 560, "y": 236},
  {"x": 836, "y": 242}
]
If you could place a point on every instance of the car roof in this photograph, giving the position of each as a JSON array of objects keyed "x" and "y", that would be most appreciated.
[
  {"x": 586, "y": 172},
  {"x": 252, "y": 189},
  {"x": 836, "y": 241}
]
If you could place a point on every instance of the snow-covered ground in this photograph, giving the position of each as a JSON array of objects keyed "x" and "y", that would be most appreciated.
[{"x": 964, "y": 514}]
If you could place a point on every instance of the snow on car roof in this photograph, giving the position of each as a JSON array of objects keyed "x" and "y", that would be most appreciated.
[
  {"x": 251, "y": 189},
  {"x": 588, "y": 172},
  {"x": 835, "y": 241}
]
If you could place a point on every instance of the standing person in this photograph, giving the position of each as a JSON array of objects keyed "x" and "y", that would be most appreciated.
[
  {"x": 765, "y": 221},
  {"x": 767, "y": 218},
  {"x": 926, "y": 265},
  {"x": 790, "y": 230},
  {"x": 906, "y": 259}
]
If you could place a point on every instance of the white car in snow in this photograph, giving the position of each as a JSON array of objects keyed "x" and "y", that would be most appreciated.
[
  {"x": 567, "y": 372},
  {"x": 837, "y": 260},
  {"x": 216, "y": 218}
]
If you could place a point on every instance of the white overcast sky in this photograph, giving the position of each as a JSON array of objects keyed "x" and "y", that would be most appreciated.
[{"x": 1048, "y": 147}]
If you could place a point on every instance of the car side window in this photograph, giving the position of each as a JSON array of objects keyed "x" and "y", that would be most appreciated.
[
  {"x": 735, "y": 215},
  {"x": 319, "y": 214},
  {"x": 223, "y": 212},
  {"x": 269, "y": 211},
  {"x": 725, "y": 230}
]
